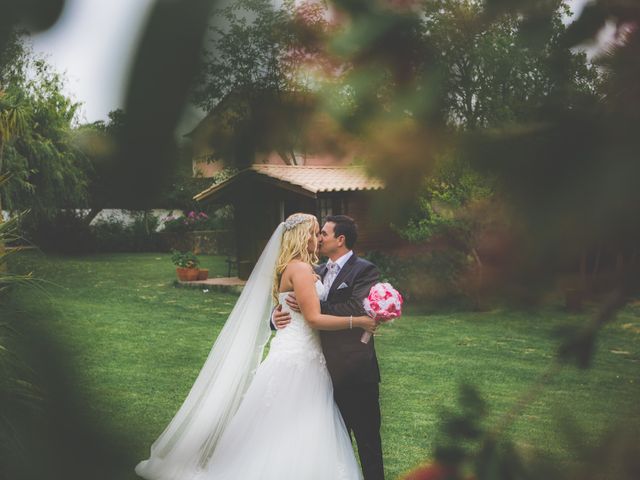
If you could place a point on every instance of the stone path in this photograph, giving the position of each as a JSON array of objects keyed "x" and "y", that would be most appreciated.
[{"x": 221, "y": 283}]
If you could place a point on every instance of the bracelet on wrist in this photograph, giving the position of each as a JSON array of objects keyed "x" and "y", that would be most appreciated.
[{"x": 350, "y": 322}]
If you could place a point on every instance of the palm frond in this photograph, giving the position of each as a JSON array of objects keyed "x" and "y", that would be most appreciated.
[{"x": 4, "y": 178}]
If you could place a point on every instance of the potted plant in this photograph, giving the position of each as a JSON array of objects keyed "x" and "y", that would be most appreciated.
[
  {"x": 186, "y": 265},
  {"x": 203, "y": 273}
]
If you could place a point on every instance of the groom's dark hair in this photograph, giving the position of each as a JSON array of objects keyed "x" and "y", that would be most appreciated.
[{"x": 344, "y": 226}]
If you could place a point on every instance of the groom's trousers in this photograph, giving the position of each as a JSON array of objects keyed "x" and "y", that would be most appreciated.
[{"x": 360, "y": 408}]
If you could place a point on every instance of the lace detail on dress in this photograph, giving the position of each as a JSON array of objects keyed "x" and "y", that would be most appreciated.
[
  {"x": 295, "y": 348},
  {"x": 297, "y": 343}
]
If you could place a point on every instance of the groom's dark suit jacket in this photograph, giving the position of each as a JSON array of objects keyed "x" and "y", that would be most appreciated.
[{"x": 349, "y": 360}]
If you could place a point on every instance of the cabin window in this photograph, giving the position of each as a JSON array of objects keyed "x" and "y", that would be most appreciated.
[{"x": 332, "y": 206}]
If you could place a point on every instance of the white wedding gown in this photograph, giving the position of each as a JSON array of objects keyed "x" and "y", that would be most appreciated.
[{"x": 288, "y": 426}]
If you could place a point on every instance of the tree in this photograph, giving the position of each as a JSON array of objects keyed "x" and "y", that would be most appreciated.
[
  {"x": 491, "y": 75},
  {"x": 45, "y": 167},
  {"x": 254, "y": 81},
  {"x": 13, "y": 56},
  {"x": 13, "y": 123},
  {"x": 13, "y": 116},
  {"x": 13, "y": 110},
  {"x": 496, "y": 74}
]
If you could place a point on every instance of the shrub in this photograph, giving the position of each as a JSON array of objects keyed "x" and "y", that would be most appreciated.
[
  {"x": 184, "y": 259},
  {"x": 63, "y": 231},
  {"x": 197, "y": 221},
  {"x": 432, "y": 277},
  {"x": 141, "y": 236}
]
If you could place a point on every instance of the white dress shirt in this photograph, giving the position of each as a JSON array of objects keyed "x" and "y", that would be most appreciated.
[{"x": 333, "y": 269}]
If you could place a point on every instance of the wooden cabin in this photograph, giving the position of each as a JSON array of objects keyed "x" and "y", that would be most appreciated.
[{"x": 264, "y": 195}]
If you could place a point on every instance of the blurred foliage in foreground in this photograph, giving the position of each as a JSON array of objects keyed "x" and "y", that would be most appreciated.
[{"x": 558, "y": 148}]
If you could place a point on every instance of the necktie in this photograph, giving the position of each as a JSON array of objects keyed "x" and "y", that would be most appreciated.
[{"x": 329, "y": 277}]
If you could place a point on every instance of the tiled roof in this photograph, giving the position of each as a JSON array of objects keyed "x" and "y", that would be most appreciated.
[
  {"x": 311, "y": 179},
  {"x": 322, "y": 179}
]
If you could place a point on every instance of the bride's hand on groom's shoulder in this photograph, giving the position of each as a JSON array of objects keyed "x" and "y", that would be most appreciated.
[{"x": 281, "y": 319}]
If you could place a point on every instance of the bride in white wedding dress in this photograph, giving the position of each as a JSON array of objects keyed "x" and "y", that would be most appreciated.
[{"x": 274, "y": 420}]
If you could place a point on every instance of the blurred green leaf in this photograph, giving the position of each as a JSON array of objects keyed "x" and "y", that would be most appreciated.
[
  {"x": 586, "y": 27},
  {"x": 163, "y": 71}
]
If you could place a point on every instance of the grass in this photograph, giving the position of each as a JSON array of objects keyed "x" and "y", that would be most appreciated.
[{"x": 137, "y": 343}]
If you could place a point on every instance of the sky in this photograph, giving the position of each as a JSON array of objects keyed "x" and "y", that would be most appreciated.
[{"x": 91, "y": 44}]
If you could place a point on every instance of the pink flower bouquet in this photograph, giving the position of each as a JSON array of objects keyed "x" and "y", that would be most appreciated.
[{"x": 384, "y": 304}]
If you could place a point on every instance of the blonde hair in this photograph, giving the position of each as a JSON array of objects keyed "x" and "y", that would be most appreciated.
[{"x": 295, "y": 238}]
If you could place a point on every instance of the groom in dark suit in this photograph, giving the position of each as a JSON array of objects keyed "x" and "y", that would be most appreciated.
[{"x": 352, "y": 364}]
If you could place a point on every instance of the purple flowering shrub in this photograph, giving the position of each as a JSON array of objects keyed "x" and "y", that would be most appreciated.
[{"x": 191, "y": 221}]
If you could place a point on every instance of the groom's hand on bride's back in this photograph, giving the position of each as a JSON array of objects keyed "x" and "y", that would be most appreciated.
[
  {"x": 292, "y": 302},
  {"x": 279, "y": 318}
]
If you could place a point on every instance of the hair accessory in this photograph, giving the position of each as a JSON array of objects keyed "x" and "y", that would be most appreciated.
[{"x": 294, "y": 220}]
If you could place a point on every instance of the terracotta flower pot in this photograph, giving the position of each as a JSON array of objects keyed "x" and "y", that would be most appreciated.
[
  {"x": 203, "y": 273},
  {"x": 187, "y": 274}
]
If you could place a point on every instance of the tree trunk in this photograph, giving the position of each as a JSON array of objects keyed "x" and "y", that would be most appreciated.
[
  {"x": 583, "y": 269},
  {"x": 145, "y": 217},
  {"x": 479, "y": 262},
  {"x": 480, "y": 305},
  {"x": 596, "y": 267}
]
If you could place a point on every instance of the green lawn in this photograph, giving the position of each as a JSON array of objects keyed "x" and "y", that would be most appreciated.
[{"x": 137, "y": 343}]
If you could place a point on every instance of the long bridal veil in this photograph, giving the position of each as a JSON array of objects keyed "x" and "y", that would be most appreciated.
[{"x": 189, "y": 440}]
